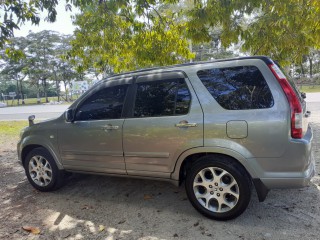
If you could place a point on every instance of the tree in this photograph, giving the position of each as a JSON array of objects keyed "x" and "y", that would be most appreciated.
[
  {"x": 114, "y": 36},
  {"x": 41, "y": 65},
  {"x": 16, "y": 65},
  {"x": 42, "y": 50},
  {"x": 62, "y": 70},
  {"x": 286, "y": 30},
  {"x": 16, "y": 12}
]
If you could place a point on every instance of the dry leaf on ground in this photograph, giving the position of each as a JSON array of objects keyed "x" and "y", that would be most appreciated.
[
  {"x": 101, "y": 228},
  {"x": 34, "y": 230},
  {"x": 147, "y": 197}
]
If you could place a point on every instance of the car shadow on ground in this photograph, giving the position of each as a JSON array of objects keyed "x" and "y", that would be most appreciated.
[{"x": 131, "y": 209}]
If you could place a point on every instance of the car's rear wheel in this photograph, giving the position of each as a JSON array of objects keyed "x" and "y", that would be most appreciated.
[
  {"x": 42, "y": 171},
  {"x": 218, "y": 187}
]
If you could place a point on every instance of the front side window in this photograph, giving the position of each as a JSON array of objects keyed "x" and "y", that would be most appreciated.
[
  {"x": 107, "y": 103},
  {"x": 162, "y": 98},
  {"x": 237, "y": 88}
]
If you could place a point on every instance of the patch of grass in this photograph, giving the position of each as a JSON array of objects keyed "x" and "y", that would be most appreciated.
[
  {"x": 31, "y": 101},
  {"x": 309, "y": 88},
  {"x": 10, "y": 129}
]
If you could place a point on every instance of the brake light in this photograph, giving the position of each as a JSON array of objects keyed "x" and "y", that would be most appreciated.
[{"x": 294, "y": 102}]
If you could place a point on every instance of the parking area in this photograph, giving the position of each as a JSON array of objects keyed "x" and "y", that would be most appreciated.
[{"x": 100, "y": 207}]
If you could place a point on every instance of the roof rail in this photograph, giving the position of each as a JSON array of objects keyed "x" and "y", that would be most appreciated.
[{"x": 266, "y": 59}]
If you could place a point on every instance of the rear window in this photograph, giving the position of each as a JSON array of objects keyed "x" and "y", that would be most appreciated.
[{"x": 237, "y": 88}]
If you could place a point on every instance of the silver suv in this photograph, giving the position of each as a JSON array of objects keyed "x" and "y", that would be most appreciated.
[{"x": 218, "y": 126}]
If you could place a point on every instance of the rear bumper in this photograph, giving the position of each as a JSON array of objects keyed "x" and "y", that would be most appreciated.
[
  {"x": 291, "y": 182},
  {"x": 263, "y": 185},
  {"x": 296, "y": 168}
]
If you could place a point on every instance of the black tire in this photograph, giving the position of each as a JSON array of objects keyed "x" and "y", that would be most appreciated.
[
  {"x": 237, "y": 193},
  {"x": 56, "y": 176}
]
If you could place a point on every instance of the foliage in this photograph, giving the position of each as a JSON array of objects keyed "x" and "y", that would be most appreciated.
[
  {"x": 16, "y": 68},
  {"x": 114, "y": 36},
  {"x": 285, "y": 30},
  {"x": 16, "y": 12},
  {"x": 40, "y": 65}
]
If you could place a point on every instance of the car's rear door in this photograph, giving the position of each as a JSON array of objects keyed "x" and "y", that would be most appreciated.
[{"x": 166, "y": 120}]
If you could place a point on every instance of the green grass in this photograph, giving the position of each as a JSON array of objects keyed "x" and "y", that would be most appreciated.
[
  {"x": 31, "y": 101},
  {"x": 9, "y": 130},
  {"x": 309, "y": 89}
]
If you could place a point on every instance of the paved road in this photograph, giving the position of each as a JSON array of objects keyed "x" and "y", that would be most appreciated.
[
  {"x": 41, "y": 111},
  {"x": 313, "y": 102},
  {"x": 52, "y": 111}
]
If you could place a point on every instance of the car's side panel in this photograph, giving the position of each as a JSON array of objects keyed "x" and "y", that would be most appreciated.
[{"x": 268, "y": 129}]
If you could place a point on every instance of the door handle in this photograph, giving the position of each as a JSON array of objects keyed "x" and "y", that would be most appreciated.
[
  {"x": 110, "y": 127},
  {"x": 185, "y": 124}
]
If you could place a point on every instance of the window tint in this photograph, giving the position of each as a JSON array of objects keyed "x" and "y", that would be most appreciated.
[
  {"x": 237, "y": 88},
  {"x": 162, "y": 98},
  {"x": 104, "y": 104}
]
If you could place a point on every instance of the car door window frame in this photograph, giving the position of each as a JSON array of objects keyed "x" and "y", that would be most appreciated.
[
  {"x": 156, "y": 77},
  {"x": 107, "y": 84}
]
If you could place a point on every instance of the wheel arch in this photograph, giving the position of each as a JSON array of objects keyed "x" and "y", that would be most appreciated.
[
  {"x": 191, "y": 156},
  {"x": 194, "y": 157},
  {"x": 27, "y": 148}
]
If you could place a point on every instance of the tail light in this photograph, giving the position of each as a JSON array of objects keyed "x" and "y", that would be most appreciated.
[{"x": 294, "y": 102}]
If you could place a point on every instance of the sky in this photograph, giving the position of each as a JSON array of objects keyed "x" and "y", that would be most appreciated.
[{"x": 63, "y": 23}]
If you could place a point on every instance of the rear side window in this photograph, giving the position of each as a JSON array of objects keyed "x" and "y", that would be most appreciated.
[
  {"x": 237, "y": 88},
  {"x": 162, "y": 98}
]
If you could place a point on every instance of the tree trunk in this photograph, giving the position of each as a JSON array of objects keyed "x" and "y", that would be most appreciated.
[
  {"x": 65, "y": 89},
  {"x": 21, "y": 92},
  {"x": 39, "y": 93},
  {"x": 311, "y": 67},
  {"x": 18, "y": 96},
  {"x": 57, "y": 86},
  {"x": 44, "y": 84},
  {"x": 302, "y": 69},
  {"x": 58, "y": 90}
]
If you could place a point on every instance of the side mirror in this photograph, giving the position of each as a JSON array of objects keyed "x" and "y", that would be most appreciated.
[
  {"x": 69, "y": 115},
  {"x": 303, "y": 95},
  {"x": 31, "y": 119}
]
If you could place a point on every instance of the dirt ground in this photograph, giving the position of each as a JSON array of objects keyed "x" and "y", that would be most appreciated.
[{"x": 99, "y": 207}]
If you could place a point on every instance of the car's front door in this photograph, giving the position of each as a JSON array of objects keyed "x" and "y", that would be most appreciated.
[
  {"x": 93, "y": 142},
  {"x": 166, "y": 120}
]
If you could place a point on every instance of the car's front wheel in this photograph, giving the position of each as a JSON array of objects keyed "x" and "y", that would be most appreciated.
[
  {"x": 218, "y": 187},
  {"x": 42, "y": 171}
]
